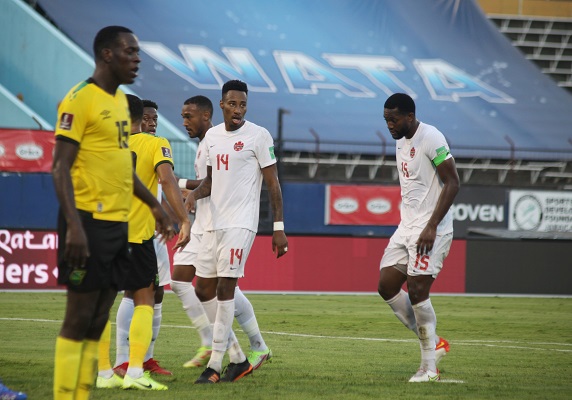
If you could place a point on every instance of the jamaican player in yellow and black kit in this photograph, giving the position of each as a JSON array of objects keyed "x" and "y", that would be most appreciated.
[
  {"x": 150, "y": 151},
  {"x": 102, "y": 178}
]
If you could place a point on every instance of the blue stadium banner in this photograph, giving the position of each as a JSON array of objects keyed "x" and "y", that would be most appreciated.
[{"x": 332, "y": 64}]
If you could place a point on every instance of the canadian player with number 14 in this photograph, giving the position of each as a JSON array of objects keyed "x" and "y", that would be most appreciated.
[
  {"x": 415, "y": 253},
  {"x": 239, "y": 155}
]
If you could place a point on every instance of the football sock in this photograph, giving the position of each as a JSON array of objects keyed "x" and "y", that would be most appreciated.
[
  {"x": 103, "y": 363},
  {"x": 123, "y": 323},
  {"x": 401, "y": 306},
  {"x": 426, "y": 323},
  {"x": 194, "y": 309},
  {"x": 235, "y": 353},
  {"x": 244, "y": 314},
  {"x": 66, "y": 368},
  {"x": 87, "y": 369},
  {"x": 221, "y": 331},
  {"x": 157, "y": 317},
  {"x": 210, "y": 307},
  {"x": 140, "y": 335}
]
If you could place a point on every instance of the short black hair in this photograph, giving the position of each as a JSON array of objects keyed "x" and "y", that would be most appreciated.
[
  {"x": 106, "y": 37},
  {"x": 403, "y": 102},
  {"x": 234, "y": 85},
  {"x": 149, "y": 103},
  {"x": 135, "y": 107},
  {"x": 202, "y": 103}
]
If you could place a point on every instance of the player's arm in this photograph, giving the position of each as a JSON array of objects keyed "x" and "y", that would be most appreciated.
[
  {"x": 202, "y": 191},
  {"x": 448, "y": 173},
  {"x": 189, "y": 184},
  {"x": 175, "y": 199},
  {"x": 76, "y": 246},
  {"x": 279, "y": 240},
  {"x": 164, "y": 222}
]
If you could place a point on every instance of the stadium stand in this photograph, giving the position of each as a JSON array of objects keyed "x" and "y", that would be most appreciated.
[{"x": 544, "y": 39}]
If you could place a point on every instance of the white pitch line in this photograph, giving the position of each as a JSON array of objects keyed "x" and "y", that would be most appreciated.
[{"x": 505, "y": 344}]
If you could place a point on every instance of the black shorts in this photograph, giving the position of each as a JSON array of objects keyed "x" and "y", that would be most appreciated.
[
  {"x": 143, "y": 267},
  {"x": 109, "y": 258}
]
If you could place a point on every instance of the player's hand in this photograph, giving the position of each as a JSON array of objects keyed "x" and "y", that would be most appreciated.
[
  {"x": 185, "y": 193},
  {"x": 77, "y": 250},
  {"x": 426, "y": 240},
  {"x": 190, "y": 203},
  {"x": 279, "y": 243},
  {"x": 164, "y": 224},
  {"x": 184, "y": 236}
]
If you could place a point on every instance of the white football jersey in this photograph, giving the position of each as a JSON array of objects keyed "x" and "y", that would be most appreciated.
[
  {"x": 236, "y": 159},
  {"x": 203, "y": 218},
  {"x": 419, "y": 180}
]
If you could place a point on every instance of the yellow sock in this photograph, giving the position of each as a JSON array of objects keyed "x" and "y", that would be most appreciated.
[
  {"x": 140, "y": 335},
  {"x": 104, "y": 363},
  {"x": 66, "y": 368},
  {"x": 87, "y": 369}
]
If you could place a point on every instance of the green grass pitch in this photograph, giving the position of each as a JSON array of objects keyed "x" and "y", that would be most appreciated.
[{"x": 330, "y": 347}]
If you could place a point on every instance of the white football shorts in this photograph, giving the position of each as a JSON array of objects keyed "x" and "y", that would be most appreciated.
[
  {"x": 189, "y": 254},
  {"x": 163, "y": 264},
  {"x": 403, "y": 250},
  {"x": 224, "y": 252}
]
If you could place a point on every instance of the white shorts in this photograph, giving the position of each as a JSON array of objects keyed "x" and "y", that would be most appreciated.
[
  {"x": 402, "y": 250},
  {"x": 224, "y": 252},
  {"x": 163, "y": 264},
  {"x": 189, "y": 254}
]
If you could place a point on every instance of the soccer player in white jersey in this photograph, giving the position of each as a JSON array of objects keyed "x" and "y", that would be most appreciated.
[
  {"x": 239, "y": 155},
  {"x": 197, "y": 119},
  {"x": 415, "y": 253},
  {"x": 126, "y": 307}
]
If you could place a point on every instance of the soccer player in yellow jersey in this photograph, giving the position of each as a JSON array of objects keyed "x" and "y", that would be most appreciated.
[
  {"x": 95, "y": 181},
  {"x": 154, "y": 161},
  {"x": 125, "y": 309}
]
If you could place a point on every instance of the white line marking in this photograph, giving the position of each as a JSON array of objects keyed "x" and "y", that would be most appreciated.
[
  {"x": 505, "y": 344},
  {"x": 450, "y": 381}
]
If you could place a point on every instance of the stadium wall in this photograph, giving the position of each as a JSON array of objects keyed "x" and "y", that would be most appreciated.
[{"x": 321, "y": 258}]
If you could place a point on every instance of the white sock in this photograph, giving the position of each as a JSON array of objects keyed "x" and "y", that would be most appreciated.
[
  {"x": 123, "y": 322},
  {"x": 157, "y": 318},
  {"x": 426, "y": 324},
  {"x": 235, "y": 353},
  {"x": 221, "y": 332},
  {"x": 210, "y": 307},
  {"x": 106, "y": 374},
  {"x": 244, "y": 314},
  {"x": 194, "y": 309},
  {"x": 401, "y": 306}
]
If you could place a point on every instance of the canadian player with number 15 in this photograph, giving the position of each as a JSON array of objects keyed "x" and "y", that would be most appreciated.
[
  {"x": 240, "y": 155},
  {"x": 415, "y": 253}
]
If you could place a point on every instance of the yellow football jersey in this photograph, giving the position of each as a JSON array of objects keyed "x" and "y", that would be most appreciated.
[
  {"x": 150, "y": 151},
  {"x": 102, "y": 174}
]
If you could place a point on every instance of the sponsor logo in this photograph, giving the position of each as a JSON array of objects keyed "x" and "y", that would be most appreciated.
[
  {"x": 105, "y": 114},
  {"x": 478, "y": 212},
  {"x": 166, "y": 152},
  {"x": 346, "y": 205},
  {"x": 378, "y": 206},
  {"x": 66, "y": 121},
  {"x": 528, "y": 213},
  {"x": 271, "y": 150},
  {"x": 412, "y": 152},
  {"x": 238, "y": 146},
  {"x": 29, "y": 151}
]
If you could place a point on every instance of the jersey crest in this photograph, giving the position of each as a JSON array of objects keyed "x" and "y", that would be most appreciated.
[{"x": 238, "y": 146}]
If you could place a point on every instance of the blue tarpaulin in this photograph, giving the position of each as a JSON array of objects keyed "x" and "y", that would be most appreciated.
[{"x": 333, "y": 63}]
